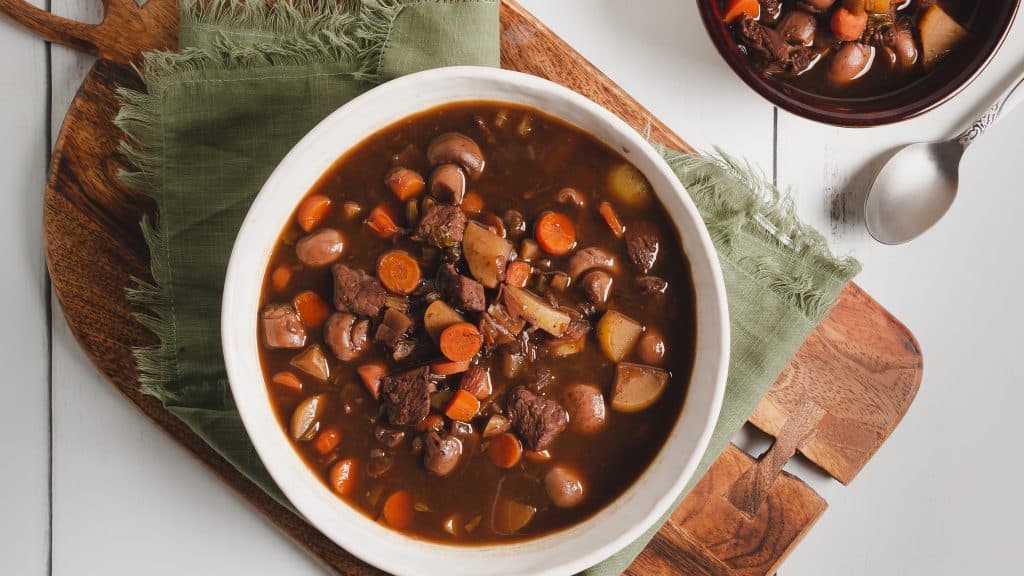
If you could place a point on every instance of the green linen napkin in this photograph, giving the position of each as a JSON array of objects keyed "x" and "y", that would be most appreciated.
[{"x": 251, "y": 79}]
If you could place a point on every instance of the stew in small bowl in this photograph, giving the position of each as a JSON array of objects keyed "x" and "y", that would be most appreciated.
[{"x": 857, "y": 62}]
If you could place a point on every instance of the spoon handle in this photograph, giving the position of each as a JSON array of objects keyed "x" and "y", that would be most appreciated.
[{"x": 1005, "y": 103}]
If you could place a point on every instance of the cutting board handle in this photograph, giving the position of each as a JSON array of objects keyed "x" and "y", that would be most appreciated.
[{"x": 123, "y": 35}]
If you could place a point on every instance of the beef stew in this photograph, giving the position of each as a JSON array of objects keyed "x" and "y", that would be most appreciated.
[
  {"x": 851, "y": 48},
  {"x": 479, "y": 325}
]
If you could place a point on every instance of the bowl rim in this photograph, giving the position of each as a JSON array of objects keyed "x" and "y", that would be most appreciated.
[
  {"x": 768, "y": 90},
  {"x": 349, "y": 528}
]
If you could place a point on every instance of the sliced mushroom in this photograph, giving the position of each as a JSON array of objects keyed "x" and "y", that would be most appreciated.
[
  {"x": 320, "y": 248},
  {"x": 564, "y": 486},
  {"x": 571, "y": 196},
  {"x": 346, "y": 335},
  {"x": 448, "y": 183},
  {"x": 591, "y": 257},
  {"x": 798, "y": 27},
  {"x": 282, "y": 327},
  {"x": 455, "y": 148},
  {"x": 389, "y": 437},
  {"x": 597, "y": 285},
  {"x": 515, "y": 224},
  {"x": 380, "y": 463},
  {"x": 586, "y": 407},
  {"x": 441, "y": 455},
  {"x": 306, "y": 418}
]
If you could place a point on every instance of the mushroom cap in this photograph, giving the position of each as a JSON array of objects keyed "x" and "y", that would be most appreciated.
[{"x": 455, "y": 148}]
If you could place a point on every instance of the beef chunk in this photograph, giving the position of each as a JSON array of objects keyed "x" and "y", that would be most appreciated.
[
  {"x": 357, "y": 292},
  {"x": 393, "y": 328},
  {"x": 643, "y": 244},
  {"x": 535, "y": 418},
  {"x": 477, "y": 381},
  {"x": 406, "y": 396},
  {"x": 282, "y": 327},
  {"x": 770, "y": 51},
  {"x": 462, "y": 292},
  {"x": 770, "y": 10},
  {"x": 442, "y": 225}
]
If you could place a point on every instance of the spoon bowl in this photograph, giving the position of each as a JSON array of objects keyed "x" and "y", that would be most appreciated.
[
  {"x": 912, "y": 191},
  {"x": 916, "y": 187}
]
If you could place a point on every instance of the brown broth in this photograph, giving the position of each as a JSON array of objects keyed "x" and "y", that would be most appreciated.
[{"x": 523, "y": 173}]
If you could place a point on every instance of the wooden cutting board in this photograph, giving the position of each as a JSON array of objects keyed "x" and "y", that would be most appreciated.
[{"x": 838, "y": 400}]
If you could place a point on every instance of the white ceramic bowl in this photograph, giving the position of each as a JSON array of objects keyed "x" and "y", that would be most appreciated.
[{"x": 561, "y": 553}]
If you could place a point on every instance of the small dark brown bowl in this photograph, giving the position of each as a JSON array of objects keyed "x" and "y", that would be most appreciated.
[{"x": 990, "y": 25}]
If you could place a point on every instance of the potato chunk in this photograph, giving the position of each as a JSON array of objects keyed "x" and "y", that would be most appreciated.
[{"x": 939, "y": 34}]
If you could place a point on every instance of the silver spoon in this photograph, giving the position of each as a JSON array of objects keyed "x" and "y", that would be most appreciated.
[{"x": 916, "y": 187}]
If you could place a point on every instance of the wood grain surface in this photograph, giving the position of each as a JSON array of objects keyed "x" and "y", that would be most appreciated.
[{"x": 859, "y": 371}]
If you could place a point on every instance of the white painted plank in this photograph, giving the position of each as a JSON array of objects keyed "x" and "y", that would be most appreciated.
[
  {"x": 940, "y": 497},
  {"x": 659, "y": 52},
  {"x": 124, "y": 494},
  {"x": 25, "y": 411}
]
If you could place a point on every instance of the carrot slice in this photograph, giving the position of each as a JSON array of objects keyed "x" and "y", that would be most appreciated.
[
  {"x": 848, "y": 24},
  {"x": 447, "y": 367},
  {"x": 287, "y": 380},
  {"x": 345, "y": 476},
  {"x": 460, "y": 341},
  {"x": 555, "y": 233},
  {"x": 433, "y": 421},
  {"x": 737, "y": 8},
  {"x": 539, "y": 457},
  {"x": 312, "y": 309},
  {"x": 280, "y": 278},
  {"x": 404, "y": 183},
  {"x": 472, "y": 204},
  {"x": 463, "y": 406},
  {"x": 505, "y": 450},
  {"x": 327, "y": 440},
  {"x": 518, "y": 273},
  {"x": 382, "y": 221},
  {"x": 398, "y": 510},
  {"x": 371, "y": 375},
  {"x": 611, "y": 219},
  {"x": 398, "y": 271},
  {"x": 312, "y": 211}
]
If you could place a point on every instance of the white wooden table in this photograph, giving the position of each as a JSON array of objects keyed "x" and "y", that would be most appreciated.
[{"x": 90, "y": 487}]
